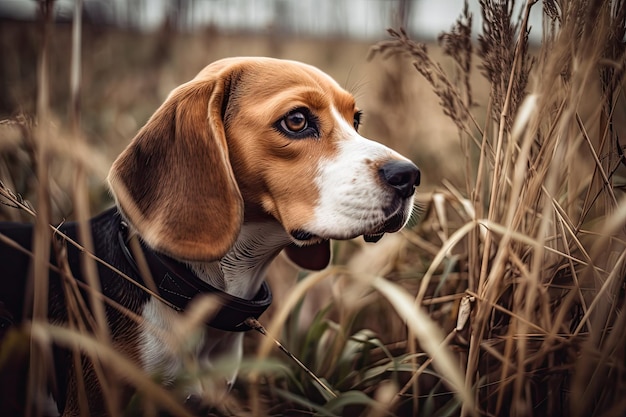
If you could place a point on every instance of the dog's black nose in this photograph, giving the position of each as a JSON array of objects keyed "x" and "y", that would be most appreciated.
[{"x": 404, "y": 176}]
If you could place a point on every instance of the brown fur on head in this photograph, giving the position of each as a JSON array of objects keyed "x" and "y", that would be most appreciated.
[
  {"x": 219, "y": 147},
  {"x": 183, "y": 180}
]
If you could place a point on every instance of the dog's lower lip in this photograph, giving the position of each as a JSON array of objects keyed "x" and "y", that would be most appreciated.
[
  {"x": 302, "y": 235},
  {"x": 394, "y": 223},
  {"x": 373, "y": 238}
]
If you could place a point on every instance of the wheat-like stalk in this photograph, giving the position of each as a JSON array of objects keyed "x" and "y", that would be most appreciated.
[{"x": 546, "y": 272}]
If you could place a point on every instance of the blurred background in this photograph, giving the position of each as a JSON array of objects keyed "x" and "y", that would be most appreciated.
[{"x": 135, "y": 52}]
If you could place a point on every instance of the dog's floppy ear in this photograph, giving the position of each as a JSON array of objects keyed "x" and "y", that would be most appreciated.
[{"x": 174, "y": 182}]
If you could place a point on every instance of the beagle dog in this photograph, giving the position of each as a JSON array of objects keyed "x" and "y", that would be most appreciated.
[{"x": 251, "y": 157}]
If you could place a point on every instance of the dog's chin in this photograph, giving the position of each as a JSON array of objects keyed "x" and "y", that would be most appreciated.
[
  {"x": 373, "y": 238},
  {"x": 391, "y": 225}
]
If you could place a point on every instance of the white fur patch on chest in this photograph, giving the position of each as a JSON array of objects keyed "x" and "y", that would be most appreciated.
[{"x": 171, "y": 352}]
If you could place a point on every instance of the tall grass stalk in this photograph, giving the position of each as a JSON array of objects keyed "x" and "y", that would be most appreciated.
[
  {"x": 546, "y": 263},
  {"x": 40, "y": 356}
]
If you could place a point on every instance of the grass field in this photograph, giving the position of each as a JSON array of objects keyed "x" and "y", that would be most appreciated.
[{"x": 507, "y": 296}]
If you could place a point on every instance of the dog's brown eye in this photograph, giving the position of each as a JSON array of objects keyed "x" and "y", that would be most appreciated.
[
  {"x": 294, "y": 122},
  {"x": 299, "y": 123},
  {"x": 357, "y": 120}
]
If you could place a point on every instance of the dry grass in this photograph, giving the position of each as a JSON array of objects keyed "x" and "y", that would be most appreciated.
[
  {"x": 507, "y": 299},
  {"x": 544, "y": 253}
]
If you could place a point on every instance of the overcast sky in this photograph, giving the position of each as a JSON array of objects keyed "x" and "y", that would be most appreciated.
[{"x": 366, "y": 19}]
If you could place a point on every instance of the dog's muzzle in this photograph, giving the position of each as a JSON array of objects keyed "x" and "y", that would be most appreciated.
[{"x": 403, "y": 177}]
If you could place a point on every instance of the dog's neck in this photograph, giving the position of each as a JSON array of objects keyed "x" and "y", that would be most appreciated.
[{"x": 242, "y": 270}]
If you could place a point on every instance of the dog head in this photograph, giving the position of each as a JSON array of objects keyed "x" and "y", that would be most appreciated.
[{"x": 255, "y": 139}]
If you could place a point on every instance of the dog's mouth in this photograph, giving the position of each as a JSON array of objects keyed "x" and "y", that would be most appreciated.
[
  {"x": 393, "y": 224},
  {"x": 373, "y": 238}
]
